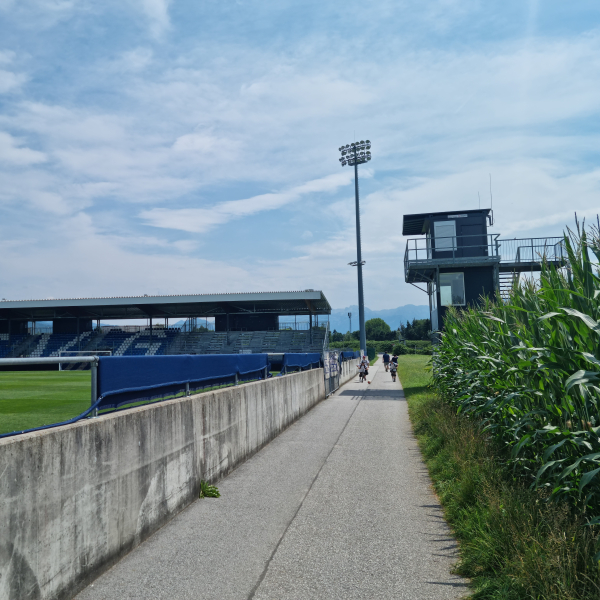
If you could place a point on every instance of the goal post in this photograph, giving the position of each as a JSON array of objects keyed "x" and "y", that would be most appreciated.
[{"x": 70, "y": 353}]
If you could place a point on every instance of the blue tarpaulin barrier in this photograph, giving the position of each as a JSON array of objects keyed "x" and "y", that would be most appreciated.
[
  {"x": 126, "y": 379},
  {"x": 301, "y": 361},
  {"x": 347, "y": 355}
]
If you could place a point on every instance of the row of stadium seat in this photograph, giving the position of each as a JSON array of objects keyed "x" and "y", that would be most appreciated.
[
  {"x": 52, "y": 344},
  {"x": 7, "y": 346},
  {"x": 168, "y": 341},
  {"x": 124, "y": 343},
  {"x": 248, "y": 341}
]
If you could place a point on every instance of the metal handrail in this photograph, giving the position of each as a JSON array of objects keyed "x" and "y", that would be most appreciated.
[
  {"x": 549, "y": 247},
  {"x": 431, "y": 245},
  {"x": 534, "y": 249},
  {"x": 326, "y": 338}
]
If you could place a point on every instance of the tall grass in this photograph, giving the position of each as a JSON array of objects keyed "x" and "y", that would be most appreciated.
[
  {"x": 513, "y": 544},
  {"x": 529, "y": 370}
]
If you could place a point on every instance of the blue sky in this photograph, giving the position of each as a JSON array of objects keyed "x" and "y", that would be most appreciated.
[{"x": 156, "y": 146}]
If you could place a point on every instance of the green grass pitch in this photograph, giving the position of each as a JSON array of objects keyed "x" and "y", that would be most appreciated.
[{"x": 33, "y": 398}]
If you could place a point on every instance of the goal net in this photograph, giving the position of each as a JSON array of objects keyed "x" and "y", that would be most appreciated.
[{"x": 74, "y": 366}]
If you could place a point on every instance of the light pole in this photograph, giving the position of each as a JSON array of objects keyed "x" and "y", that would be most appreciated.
[
  {"x": 350, "y": 319},
  {"x": 355, "y": 154}
]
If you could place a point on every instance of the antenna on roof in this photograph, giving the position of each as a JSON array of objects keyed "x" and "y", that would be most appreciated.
[
  {"x": 479, "y": 196},
  {"x": 491, "y": 203}
]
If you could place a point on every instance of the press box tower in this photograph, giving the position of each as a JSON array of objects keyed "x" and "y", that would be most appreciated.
[{"x": 459, "y": 261}]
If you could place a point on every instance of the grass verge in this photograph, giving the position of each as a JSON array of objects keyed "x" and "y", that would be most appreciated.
[{"x": 513, "y": 544}]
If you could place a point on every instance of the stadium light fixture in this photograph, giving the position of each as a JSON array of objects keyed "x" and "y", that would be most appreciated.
[{"x": 353, "y": 155}]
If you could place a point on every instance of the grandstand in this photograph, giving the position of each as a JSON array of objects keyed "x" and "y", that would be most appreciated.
[
  {"x": 248, "y": 341},
  {"x": 244, "y": 323}
]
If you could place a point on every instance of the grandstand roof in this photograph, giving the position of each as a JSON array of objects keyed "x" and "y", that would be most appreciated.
[{"x": 182, "y": 306}]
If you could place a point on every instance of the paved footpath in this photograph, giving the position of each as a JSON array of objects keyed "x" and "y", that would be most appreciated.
[{"x": 339, "y": 506}]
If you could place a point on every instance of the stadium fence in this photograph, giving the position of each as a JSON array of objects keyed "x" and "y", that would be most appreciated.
[{"x": 117, "y": 381}]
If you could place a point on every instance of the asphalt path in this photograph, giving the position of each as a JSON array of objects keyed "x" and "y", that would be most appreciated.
[{"x": 339, "y": 506}]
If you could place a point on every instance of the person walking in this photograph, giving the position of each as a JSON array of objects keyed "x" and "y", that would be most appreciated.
[
  {"x": 362, "y": 371},
  {"x": 386, "y": 361},
  {"x": 363, "y": 368},
  {"x": 394, "y": 367}
]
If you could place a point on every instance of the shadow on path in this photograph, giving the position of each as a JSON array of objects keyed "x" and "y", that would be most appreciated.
[{"x": 367, "y": 393}]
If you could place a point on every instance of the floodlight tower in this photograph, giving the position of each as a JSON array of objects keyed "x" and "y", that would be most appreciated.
[{"x": 355, "y": 154}]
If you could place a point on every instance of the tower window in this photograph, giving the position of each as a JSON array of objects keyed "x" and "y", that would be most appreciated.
[
  {"x": 444, "y": 235},
  {"x": 452, "y": 289}
]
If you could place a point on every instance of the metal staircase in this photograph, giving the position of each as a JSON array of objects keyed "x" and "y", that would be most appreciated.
[{"x": 507, "y": 281}]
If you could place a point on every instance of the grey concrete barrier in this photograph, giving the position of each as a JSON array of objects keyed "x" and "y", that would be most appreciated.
[
  {"x": 75, "y": 499},
  {"x": 348, "y": 370}
]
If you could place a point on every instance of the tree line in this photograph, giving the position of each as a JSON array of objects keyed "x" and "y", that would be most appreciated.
[{"x": 378, "y": 330}]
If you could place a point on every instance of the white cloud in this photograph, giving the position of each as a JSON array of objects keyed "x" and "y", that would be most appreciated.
[
  {"x": 6, "y": 57},
  {"x": 207, "y": 146},
  {"x": 201, "y": 220},
  {"x": 168, "y": 125},
  {"x": 12, "y": 151},
  {"x": 137, "y": 59},
  {"x": 10, "y": 81},
  {"x": 94, "y": 259},
  {"x": 157, "y": 13}
]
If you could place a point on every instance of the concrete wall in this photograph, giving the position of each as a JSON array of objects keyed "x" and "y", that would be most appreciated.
[
  {"x": 349, "y": 370},
  {"x": 75, "y": 499}
]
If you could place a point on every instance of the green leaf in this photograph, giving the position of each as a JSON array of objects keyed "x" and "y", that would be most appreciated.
[
  {"x": 591, "y": 358},
  {"x": 550, "y": 450},
  {"x": 581, "y": 377},
  {"x": 548, "y": 316},
  {"x": 208, "y": 491},
  {"x": 547, "y": 466},
  {"x": 586, "y": 458},
  {"x": 587, "y": 477},
  {"x": 591, "y": 323},
  {"x": 493, "y": 318}
]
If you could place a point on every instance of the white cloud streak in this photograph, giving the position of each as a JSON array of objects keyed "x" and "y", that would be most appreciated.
[
  {"x": 13, "y": 152},
  {"x": 157, "y": 13},
  {"x": 202, "y": 220}
]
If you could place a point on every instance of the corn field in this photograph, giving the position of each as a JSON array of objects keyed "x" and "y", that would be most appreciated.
[{"x": 529, "y": 371}]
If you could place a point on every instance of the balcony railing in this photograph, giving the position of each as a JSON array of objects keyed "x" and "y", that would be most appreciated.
[
  {"x": 427, "y": 253},
  {"x": 454, "y": 248},
  {"x": 532, "y": 250}
]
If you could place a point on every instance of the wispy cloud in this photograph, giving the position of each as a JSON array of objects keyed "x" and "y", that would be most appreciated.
[
  {"x": 10, "y": 81},
  {"x": 201, "y": 220},
  {"x": 13, "y": 151},
  {"x": 117, "y": 116},
  {"x": 157, "y": 13}
]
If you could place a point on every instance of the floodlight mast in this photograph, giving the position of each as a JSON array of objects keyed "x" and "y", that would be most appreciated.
[{"x": 355, "y": 154}]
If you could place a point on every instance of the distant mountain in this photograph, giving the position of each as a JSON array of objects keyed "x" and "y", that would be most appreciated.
[{"x": 338, "y": 319}]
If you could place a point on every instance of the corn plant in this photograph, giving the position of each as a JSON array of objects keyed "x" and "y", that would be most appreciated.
[{"x": 529, "y": 371}]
